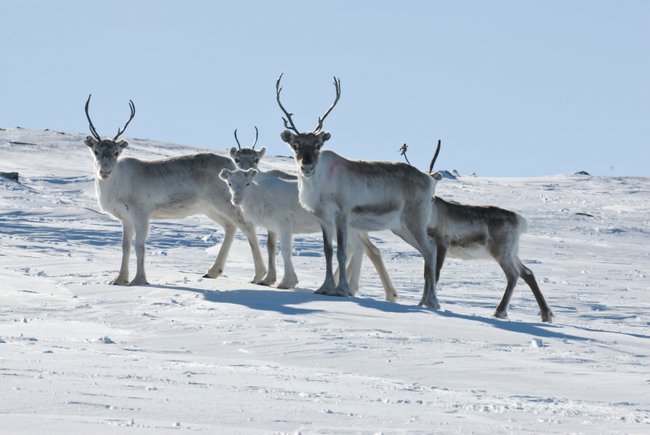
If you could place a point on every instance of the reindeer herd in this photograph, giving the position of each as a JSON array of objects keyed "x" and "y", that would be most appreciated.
[{"x": 341, "y": 198}]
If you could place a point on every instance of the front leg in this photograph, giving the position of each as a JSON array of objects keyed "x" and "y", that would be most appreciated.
[
  {"x": 127, "y": 235},
  {"x": 290, "y": 279},
  {"x": 249, "y": 231},
  {"x": 141, "y": 224},
  {"x": 343, "y": 288},
  {"x": 328, "y": 287},
  {"x": 271, "y": 245}
]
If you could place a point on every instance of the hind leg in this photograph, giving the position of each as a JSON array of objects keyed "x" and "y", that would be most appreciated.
[
  {"x": 217, "y": 268},
  {"x": 512, "y": 275},
  {"x": 529, "y": 278},
  {"x": 374, "y": 255}
]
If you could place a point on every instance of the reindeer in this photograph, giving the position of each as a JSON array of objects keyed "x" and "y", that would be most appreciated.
[
  {"x": 472, "y": 232},
  {"x": 136, "y": 191},
  {"x": 272, "y": 203},
  {"x": 249, "y": 158},
  {"x": 367, "y": 196}
]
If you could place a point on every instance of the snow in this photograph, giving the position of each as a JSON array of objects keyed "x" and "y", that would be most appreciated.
[{"x": 222, "y": 356}]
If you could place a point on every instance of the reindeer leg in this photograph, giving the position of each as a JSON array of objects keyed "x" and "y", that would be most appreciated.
[
  {"x": 127, "y": 235},
  {"x": 374, "y": 255},
  {"x": 528, "y": 277},
  {"x": 258, "y": 261},
  {"x": 216, "y": 270},
  {"x": 290, "y": 279},
  {"x": 512, "y": 275},
  {"x": 440, "y": 260},
  {"x": 271, "y": 247},
  {"x": 141, "y": 224},
  {"x": 343, "y": 288},
  {"x": 328, "y": 286},
  {"x": 414, "y": 233},
  {"x": 354, "y": 263}
]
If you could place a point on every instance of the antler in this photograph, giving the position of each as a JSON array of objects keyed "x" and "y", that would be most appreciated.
[
  {"x": 405, "y": 147},
  {"x": 288, "y": 119},
  {"x": 402, "y": 152},
  {"x": 238, "y": 144},
  {"x": 254, "y": 143},
  {"x": 337, "y": 86},
  {"x": 435, "y": 156},
  {"x": 91, "y": 126},
  {"x": 256, "y": 136},
  {"x": 119, "y": 132}
]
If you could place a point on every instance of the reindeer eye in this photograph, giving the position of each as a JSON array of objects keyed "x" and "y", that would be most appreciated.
[
  {"x": 230, "y": 185},
  {"x": 116, "y": 153},
  {"x": 237, "y": 160},
  {"x": 257, "y": 160},
  {"x": 248, "y": 184},
  {"x": 96, "y": 154}
]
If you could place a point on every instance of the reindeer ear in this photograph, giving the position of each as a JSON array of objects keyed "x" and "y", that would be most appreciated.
[
  {"x": 325, "y": 136},
  {"x": 233, "y": 152},
  {"x": 251, "y": 173},
  {"x": 437, "y": 176},
  {"x": 122, "y": 144},
  {"x": 224, "y": 174},
  {"x": 90, "y": 141},
  {"x": 287, "y": 136},
  {"x": 261, "y": 152}
]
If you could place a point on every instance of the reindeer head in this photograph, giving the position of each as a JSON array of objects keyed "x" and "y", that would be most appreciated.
[
  {"x": 238, "y": 181},
  {"x": 247, "y": 158},
  {"x": 306, "y": 146},
  {"x": 106, "y": 151}
]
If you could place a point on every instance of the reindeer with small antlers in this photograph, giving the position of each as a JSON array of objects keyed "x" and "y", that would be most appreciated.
[
  {"x": 472, "y": 232},
  {"x": 136, "y": 191},
  {"x": 367, "y": 196}
]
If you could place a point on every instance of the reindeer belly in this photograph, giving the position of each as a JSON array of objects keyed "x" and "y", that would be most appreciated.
[
  {"x": 468, "y": 247},
  {"x": 177, "y": 206},
  {"x": 375, "y": 217}
]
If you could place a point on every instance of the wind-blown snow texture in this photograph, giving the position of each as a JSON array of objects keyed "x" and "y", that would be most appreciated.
[{"x": 187, "y": 353}]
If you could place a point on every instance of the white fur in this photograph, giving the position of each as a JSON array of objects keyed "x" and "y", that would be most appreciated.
[
  {"x": 136, "y": 191},
  {"x": 367, "y": 196},
  {"x": 272, "y": 202}
]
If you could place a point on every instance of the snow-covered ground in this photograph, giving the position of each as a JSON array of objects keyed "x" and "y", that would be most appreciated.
[{"x": 223, "y": 356}]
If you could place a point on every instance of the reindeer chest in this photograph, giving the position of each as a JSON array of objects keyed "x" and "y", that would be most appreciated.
[{"x": 311, "y": 195}]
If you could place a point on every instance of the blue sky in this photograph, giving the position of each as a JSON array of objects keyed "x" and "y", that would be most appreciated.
[{"x": 513, "y": 88}]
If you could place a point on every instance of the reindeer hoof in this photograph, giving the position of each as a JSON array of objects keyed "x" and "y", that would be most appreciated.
[
  {"x": 136, "y": 282},
  {"x": 434, "y": 305},
  {"x": 501, "y": 314},
  {"x": 547, "y": 317},
  {"x": 119, "y": 281},
  {"x": 287, "y": 285}
]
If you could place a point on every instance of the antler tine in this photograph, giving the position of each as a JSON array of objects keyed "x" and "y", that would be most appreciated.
[
  {"x": 402, "y": 152},
  {"x": 435, "y": 156},
  {"x": 237, "y": 139},
  {"x": 93, "y": 131},
  {"x": 120, "y": 131},
  {"x": 256, "y": 136},
  {"x": 288, "y": 122},
  {"x": 337, "y": 86}
]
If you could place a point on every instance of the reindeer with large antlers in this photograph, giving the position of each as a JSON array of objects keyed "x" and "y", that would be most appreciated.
[
  {"x": 367, "y": 196},
  {"x": 136, "y": 191},
  {"x": 473, "y": 232}
]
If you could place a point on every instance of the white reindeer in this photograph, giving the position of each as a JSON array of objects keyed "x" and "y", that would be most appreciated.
[
  {"x": 471, "y": 232},
  {"x": 368, "y": 196},
  {"x": 272, "y": 202},
  {"x": 136, "y": 191}
]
